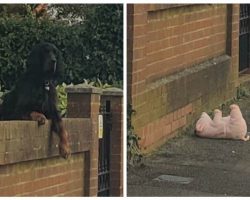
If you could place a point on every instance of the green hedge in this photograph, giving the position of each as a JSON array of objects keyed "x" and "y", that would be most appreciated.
[{"x": 91, "y": 50}]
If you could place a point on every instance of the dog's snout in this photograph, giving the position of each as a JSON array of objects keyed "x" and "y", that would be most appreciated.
[
  {"x": 53, "y": 62},
  {"x": 53, "y": 59},
  {"x": 54, "y": 65}
]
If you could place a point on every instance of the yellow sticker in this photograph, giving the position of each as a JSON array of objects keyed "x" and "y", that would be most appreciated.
[{"x": 100, "y": 129}]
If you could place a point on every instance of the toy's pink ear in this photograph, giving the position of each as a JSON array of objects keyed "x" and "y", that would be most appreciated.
[
  {"x": 233, "y": 106},
  {"x": 217, "y": 111},
  {"x": 199, "y": 127}
]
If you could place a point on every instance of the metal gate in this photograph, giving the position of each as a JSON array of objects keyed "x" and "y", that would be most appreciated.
[
  {"x": 244, "y": 40},
  {"x": 104, "y": 151}
]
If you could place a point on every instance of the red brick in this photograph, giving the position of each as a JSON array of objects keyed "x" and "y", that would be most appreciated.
[
  {"x": 62, "y": 188},
  {"x": 93, "y": 191},
  {"x": 175, "y": 115},
  {"x": 182, "y": 121},
  {"x": 172, "y": 44},
  {"x": 175, "y": 125},
  {"x": 140, "y": 8},
  {"x": 75, "y": 193},
  {"x": 7, "y": 191},
  {"x": 8, "y": 180},
  {"x": 167, "y": 129},
  {"x": 26, "y": 176}
]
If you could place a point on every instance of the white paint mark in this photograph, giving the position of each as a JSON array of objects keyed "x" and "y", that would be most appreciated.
[{"x": 176, "y": 179}]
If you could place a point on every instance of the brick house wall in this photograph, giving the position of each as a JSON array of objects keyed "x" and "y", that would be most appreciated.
[{"x": 182, "y": 59}]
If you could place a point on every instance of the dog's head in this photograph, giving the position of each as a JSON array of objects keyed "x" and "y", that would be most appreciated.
[{"x": 45, "y": 62}]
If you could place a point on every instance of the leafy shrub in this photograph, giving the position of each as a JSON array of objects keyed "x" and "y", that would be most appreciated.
[
  {"x": 62, "y": 98},
  {"x": 62, "y": 94},
  {"x": 105, "y": 22},
  {"x": 92, "y": 49},
  {"x": 134, "y": 155}
]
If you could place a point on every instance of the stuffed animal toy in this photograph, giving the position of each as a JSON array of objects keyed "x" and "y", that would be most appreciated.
[{"x": 232, "y": 127}]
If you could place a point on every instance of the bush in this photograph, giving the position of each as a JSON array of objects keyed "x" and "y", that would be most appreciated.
[
  {"x": 134, "y": 155},
  {"x": 91, "y": 50},
  {"x": 105, "y": 22}
]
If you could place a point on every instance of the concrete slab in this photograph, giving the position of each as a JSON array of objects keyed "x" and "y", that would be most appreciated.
[{"x": 219, "y": 167}]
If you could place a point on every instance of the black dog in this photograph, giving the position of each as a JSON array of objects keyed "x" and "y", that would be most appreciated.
[{"x": 34, "y": 96}]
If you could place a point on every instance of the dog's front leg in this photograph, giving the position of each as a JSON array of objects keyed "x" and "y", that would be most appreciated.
[
  {"x": 57, "y": 126},
  {"x": 39, "y": 117},
  {"x": 64, "y": 147}
]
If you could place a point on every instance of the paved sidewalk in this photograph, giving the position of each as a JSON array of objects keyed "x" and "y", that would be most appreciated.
[{"x": 217, "y": 167}]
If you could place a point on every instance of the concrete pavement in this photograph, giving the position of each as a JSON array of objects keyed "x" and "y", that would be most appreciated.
[{"x": 217, "y": 167}]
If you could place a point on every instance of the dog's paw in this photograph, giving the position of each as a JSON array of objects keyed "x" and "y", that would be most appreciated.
[
  {"x": 41, "y": 120},
  {"x": 64, "y": 150},
  {"x": 39, "y": 117}
]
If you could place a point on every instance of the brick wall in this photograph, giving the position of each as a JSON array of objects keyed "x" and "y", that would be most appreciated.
[
  {"x": 46, "y": 177},
  {"x": 29, "y": 159},
  {"x": 78, "y": 101},
  {"x": 29, "y": 163},
  {"x": 116, "y": 140},
  {"x": 166, "y": 43},
  {"x": 181, "y": 37},
  {"x": 85, "y": 102}
]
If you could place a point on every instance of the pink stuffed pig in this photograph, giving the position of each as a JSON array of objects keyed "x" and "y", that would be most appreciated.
[{"x": 233, "y": 126}]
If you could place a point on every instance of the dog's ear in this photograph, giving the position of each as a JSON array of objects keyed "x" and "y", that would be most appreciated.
[
  {"x": 59, "y": 75},
  {"x": 34, "y": 60}
]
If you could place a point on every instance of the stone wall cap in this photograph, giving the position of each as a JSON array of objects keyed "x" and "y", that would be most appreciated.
[
  {"x": 112, "y": 91},
  {"x": 190, "y": 70},
  {"x": 83, "y": 88}
]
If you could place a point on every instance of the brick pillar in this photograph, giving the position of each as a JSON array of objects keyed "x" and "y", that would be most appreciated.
[
  {"x": 233, "y": 19},
  {"x": 85, "y": 102},
  {"x": 115, "y": 96},
  {"x": 138, "y": 71},
  {"x": 136, "y": 52},
  {"x": 130, "y": 41}
]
